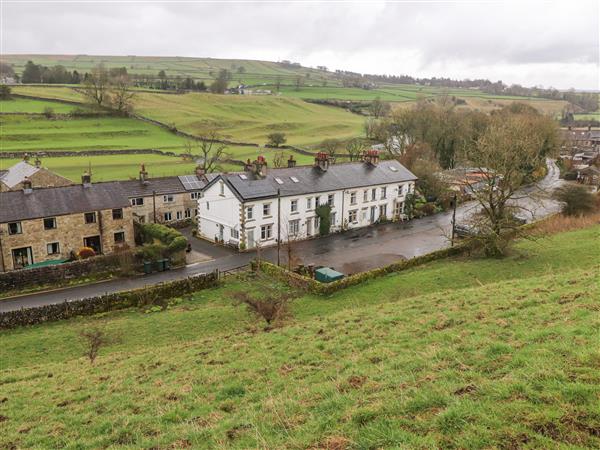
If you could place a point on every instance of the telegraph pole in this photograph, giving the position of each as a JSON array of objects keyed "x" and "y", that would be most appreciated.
[
  {"x": 278, "y": 225},
  {"x": 154, "y": 204},
  {"x": 453, "y": 219}
]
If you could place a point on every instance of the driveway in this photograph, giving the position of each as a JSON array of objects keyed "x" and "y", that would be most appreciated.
[{"x": 349, "y": 252}]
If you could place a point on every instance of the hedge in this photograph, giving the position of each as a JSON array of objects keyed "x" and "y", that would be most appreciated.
[{"x": 154, "y": 295}]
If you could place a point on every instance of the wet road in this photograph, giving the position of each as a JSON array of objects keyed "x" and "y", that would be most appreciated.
[{"x": 349, "y": 252}]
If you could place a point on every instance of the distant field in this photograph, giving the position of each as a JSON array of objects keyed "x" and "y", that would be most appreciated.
[
  {"x": 588, "y": 116},
  {"x": 253, "y": 72},
  {"x": 20, "y": 132},
  {"x": 50, "y": 92},
  {"x": 112, "y": 167},
  {"x": 251, "y": 118},
  {"x": 25, "y": 105},
  {"x": 464, "y": 353}
]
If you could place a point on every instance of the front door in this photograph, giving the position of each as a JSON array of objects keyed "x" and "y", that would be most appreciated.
[
  {"x": 94, "y": 243},
  {"x": 221, "y": 229},
  {"x": 373, "y": 214},
  {"x": 309, "y": 224},
  {"x": 22, "y": 257},
  {"x": 250, "y": 235},
  {"x": 382, "y": 212}
]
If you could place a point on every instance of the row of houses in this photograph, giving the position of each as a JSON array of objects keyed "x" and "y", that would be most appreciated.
[{"x": 40, "y": 223}]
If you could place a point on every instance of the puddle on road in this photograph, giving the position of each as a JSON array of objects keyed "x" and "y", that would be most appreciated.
[{"x": 368, "y": 263}]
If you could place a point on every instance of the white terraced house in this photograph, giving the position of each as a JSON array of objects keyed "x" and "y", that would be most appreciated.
[{"x": 260, "y": 206}]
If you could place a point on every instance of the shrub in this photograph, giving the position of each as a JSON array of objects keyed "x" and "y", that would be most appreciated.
[
  {"x": 86, "y": 252},
  {"x": 276, "y": 139},
  {"x": 48, "y": 112},
  {"x": 150, "y": 252},
  {"x": 177, "y": 244},
  {"x": 578, "y": 200},
  {"x": 324, "y": 214},
  {"x": 93, "y": 340}
]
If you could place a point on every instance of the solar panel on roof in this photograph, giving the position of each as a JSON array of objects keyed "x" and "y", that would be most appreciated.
[
  {"x": 191, "y": 182},
  {"x": 278, "y": 180},
  {"x": 294, "y": 179},
  {"x": 243, "y": 176}
]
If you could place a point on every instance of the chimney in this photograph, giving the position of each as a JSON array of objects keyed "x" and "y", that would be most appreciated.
[
  {"x": 199, "y": 171},
  {"x": 38, "y": 163},
  {"x": 260, "y": 167},
  {"x": 27, "y": 186},
  {"x": 291, "y": 161},
  {"x": 86, "y": 180},
  {"x": 143, "y": 174},
  {"x": 322, "y": 161},
  {"x": 589, "y": 128},
  {"x": 371, "y": 157}
]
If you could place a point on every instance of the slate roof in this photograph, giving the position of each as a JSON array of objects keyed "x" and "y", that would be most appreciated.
[
  {"x": 313, "y": 180},
  {"x": 57, "y": 201},
  {"x": 163, "y": 185},
  {"x": 17, "y": 173}
]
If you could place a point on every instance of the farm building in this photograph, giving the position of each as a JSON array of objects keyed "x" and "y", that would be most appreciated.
[{"x": 12, "y": 178}]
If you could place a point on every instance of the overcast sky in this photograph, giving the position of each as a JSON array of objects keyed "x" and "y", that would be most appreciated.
[{"x": 554, "y": 43}]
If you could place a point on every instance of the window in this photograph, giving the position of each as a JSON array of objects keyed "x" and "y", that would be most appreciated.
[
  {"x": 353, "y": 198},
  {"x": 365, "y": 196},
  {"x": 332, "y": 216},
  {"x": 188, "y": 213},
  {"x": 363, "y": 214},
  {"x": 90, "y": 217},
  {"x": 195, "y": 195},
  {"x": 167, "y": 217},
  {"x": 119, "y": 237},
  {"x": 249, "y": 212},
  {"x": 235, "y": 234},
  {"x": 330, "y": 199},
  {"x": 352, "y": 216},
  {"x": 278, "y": 180},
  {"x": 139, "y": 201},
  {"x": 49, "y": 223},
  {"x": 15, "y": 228},
  {"x": 294, "y": 227},
  {"x": 373, "y": 194},
  {"x": 309, "y": 203},
  {"x": 294, "y": 206},
  {"x": 266, "y": 209},
  {"x": 168, "y": 198},
  {"x": 117, "y": 214},
  {"x": 266, "y": 232},
  {"x": 179, "y": 215},
  {"x": 382, "y": 212},
  {"x": 400, "y": 190},
  {"x": 295, "y": 180},
  {"x": 317, "y": 201},
  {"x": 383, "y": 193},
  {"x": 221, "y": 188},
  {"x": 53, "y": 248},
  {"x": 207, "y": 205}
]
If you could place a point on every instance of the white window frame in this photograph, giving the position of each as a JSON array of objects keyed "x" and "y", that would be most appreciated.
[
  {"x": 331, "y": 200},
  {"x": 294, "y": 227},
  {"x": 266, "y": 209},
  {"x": 353, "y": 198},
  {"x": 167, "y": 217},
  {"x": 57, "y": 248},
  {"x": 266, "y": 232},
  {"x": 250, "y": 212},
  {"x": 294, "y": 205}
]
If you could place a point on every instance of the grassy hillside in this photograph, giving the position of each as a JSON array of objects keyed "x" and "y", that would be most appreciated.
[
  {"x": 30, "y": 106},
  {"x": 455, "y": 354},
  {"x": 253, "y": 72}
]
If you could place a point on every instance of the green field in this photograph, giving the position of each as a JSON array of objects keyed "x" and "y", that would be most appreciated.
[
  {"x": 254, "y": 72},
  {"x": 464, "y": 353},
  {"x": 31, "y": 106},
  {"x": 588, "y": 116},
  {"x": 23, "y": 133}
]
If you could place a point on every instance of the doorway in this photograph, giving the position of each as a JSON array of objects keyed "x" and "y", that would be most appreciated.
[
  {"x": 94, "y": 243},
  {"x": 22, "y": 257}
]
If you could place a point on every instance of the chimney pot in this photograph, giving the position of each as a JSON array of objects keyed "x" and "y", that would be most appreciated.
[
  {"x": 322, "y": 161},
  {"x": 38, "y": 162},
  {"x": 27, "y": 186},
  {"x": 291, "y": 162},
  {"x": 86, "y": 180}
]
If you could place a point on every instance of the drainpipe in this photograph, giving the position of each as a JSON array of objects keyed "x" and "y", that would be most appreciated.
[
  {"x": 2, "y": 252},
  {"x": 154, "y": 205},
  {"x": 343, "y": 201},
  {"x": 278, "y": 224},
  {"x": 101, "y": 230}
]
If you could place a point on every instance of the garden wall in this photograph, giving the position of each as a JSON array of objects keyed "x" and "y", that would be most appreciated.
[
  {"x": 154, "y": 295},
  {"x": 19, "y": 279}
]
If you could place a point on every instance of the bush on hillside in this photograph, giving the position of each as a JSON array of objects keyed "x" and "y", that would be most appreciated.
[{"x": 577, "y": 199}]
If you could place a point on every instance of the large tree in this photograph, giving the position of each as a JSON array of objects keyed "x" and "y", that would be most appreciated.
[
  {"x": 96, "y": 87},
  {"x": 121, "y": 94},
  {"x": 510, "y": 145},
  {"x": 212, "y": 151},
  {"x": 355, "y": 148}
]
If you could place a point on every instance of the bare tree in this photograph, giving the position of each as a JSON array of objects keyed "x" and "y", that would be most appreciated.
[
  {"x": 211, "y": 151},
  {"x": 378, "y": 108},
  {"x": 502, "y": 154},
  {"x": 271, "y": 305},
  {"x": 330, "y": 146},
  {"x": 94, "y": 339},
  {"x": 121, "y": 94},
  {"x": 278, "y": 159},
  {"x": 355, "y": 148},
  {"x": 96, "y": 87}
]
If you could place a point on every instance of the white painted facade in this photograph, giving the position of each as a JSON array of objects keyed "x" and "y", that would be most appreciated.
[{"x": 224, "y": 217}]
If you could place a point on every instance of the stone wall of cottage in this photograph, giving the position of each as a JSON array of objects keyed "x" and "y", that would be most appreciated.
[
  {"x": 70, "y": 232},
  {"x": 181, "y": 202}
]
